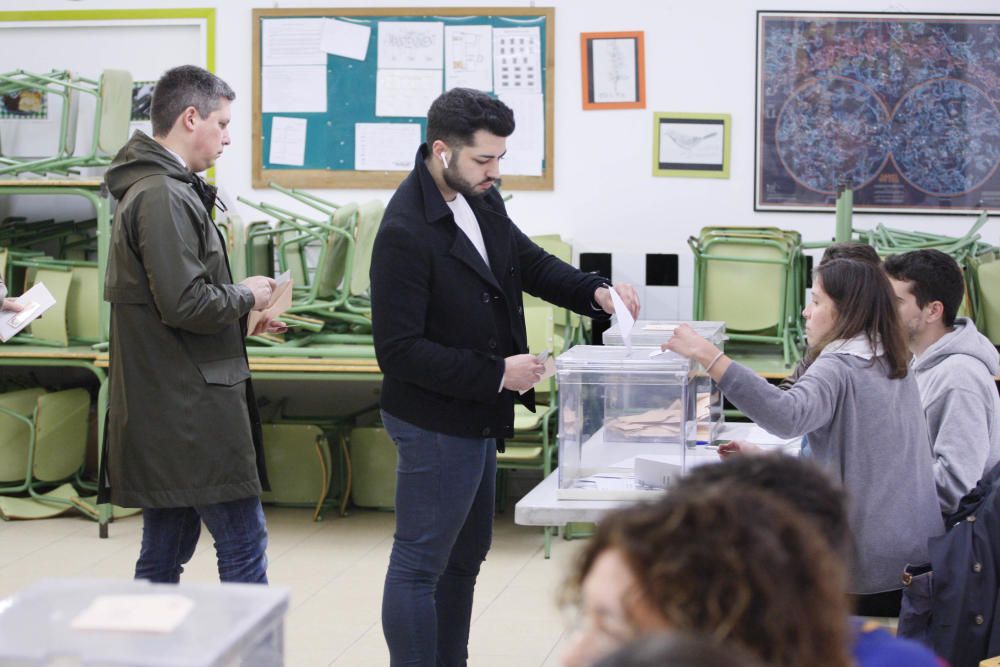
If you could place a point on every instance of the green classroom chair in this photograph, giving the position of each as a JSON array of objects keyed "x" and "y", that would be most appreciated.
[
  {"x": 373, "y": 468},
  {"x": 44, "y": 444},
  {"x": 753, "y": 279},
  {"x": 298, "y": 463}
]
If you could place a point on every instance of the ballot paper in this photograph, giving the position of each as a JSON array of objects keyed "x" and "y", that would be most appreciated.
[
  {"x": 35, "y": 301},
  {"x": 550, "y": 368},
  {"x": 759, "y": 436},
  {"x": 134, "y": 613},
  {"x": 625, "y": 319},
  {"x": 281, "y": 300}
]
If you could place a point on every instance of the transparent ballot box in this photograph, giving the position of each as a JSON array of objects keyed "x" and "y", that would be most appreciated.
[
  {"x": 655, "y": 332},
  {"x": 631, "y": 421},
  {"x": 116, "y": 623}
]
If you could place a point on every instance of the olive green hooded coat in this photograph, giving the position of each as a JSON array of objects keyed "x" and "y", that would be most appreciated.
[{"x": 182, "y": 427}]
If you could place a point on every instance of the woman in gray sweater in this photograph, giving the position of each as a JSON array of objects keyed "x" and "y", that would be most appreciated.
[{"x": 862, "y": 413}]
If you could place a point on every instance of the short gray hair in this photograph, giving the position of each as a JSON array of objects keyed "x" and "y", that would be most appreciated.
[{"x": 183, "y": 87}]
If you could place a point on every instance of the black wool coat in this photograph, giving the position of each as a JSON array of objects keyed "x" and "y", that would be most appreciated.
[{"x": 443, "y": 321}]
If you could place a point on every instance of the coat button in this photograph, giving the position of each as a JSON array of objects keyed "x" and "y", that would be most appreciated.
[
  {"x": 487, "y": 431},
  {"x": 511, "y": 269},
  {"x": 520, "y": 310},
  {"x": 979, "y": 619},
  {"x": 971, "y": 518},
  {"x": 485, "y": 296},
  {"x": 496, "y": 297},
  {"x": 492, "y": 344},
  {"x": 977, "y": 567}
]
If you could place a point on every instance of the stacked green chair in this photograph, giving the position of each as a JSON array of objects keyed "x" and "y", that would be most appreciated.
[
  {"x": 569, "y": 327},
  {"x": 43, "y": 442},
  {"x": 976, "y": 257},
  {"x": 112, "y": 111},
  {"x": 753, "y": 279},
  {"x": 373, "y": 468},
  {"x": 299, "y": 465}
]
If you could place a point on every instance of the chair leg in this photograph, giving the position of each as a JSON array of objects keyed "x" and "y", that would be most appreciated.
[{"x": 548, "y": 542}]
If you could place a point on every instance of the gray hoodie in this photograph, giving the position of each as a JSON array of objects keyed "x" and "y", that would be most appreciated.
[{"x": 959, "y": 395}]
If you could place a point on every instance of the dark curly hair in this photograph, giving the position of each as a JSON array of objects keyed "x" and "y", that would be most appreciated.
[
  {"x": 798, "y": 481},
  {"x": 457, "y": 114},
  {"x": 736, "y": 565}
]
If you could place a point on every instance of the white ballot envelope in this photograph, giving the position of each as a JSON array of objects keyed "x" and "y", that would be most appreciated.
[{"x": 35, "y": 301}]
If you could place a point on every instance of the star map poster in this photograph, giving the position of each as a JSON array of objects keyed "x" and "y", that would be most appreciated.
[{"x": 902, "y": 108}]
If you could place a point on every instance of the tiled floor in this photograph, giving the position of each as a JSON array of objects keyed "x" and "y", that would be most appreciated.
[{"x": 334, "y": 569}]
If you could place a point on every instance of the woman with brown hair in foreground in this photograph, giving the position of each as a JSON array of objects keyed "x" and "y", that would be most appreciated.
[{"x": 735, "y": 565}]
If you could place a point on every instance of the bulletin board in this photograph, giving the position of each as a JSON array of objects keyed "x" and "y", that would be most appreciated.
[{"x": 353, "y": 114}]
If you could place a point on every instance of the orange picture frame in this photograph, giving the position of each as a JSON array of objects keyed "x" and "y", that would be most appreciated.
[{"x": 613, "y": 67}]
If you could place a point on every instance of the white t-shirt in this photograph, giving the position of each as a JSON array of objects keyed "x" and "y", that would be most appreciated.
[{"x": 466, "y": 221}]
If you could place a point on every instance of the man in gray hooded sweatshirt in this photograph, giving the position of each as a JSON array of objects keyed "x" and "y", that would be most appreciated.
[{"x": 954, "y": 365}]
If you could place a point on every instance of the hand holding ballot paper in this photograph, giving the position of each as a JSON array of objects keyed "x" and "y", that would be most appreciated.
[
  {"x": 263, "y": 320},
  {"x": 16, "y": 314}
]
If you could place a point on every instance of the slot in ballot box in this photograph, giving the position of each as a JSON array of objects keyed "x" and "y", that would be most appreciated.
[
  {"x": 616, "y": 404},
  {"x": 652, "y": 333},
  {"x": 115, "y": 623}
]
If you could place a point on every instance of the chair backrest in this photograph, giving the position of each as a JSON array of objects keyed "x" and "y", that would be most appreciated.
[
  {"x": 70, "y": 117},
  {"x": 988, "y": 288},
  {"x": 539, "y": 324},
  {"x": 52, "y": 325},
  {"x": 369, "y": 219},
  {"x": 746, "y": 295},
  {"x": 554, "y": 245},
  {"x": 61, "y": 431},
  {"x": 83, "y": 318},
  {"x": 259, "y": 260},
  {"x": 330, "y": 275},
  {"x": 116, "y": 110},
  {"x": 15, "y": 434},
  {"x": 297, "y": 458}
]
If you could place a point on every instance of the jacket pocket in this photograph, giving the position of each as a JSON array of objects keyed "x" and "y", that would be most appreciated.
[{"x": 227, "y": 372}]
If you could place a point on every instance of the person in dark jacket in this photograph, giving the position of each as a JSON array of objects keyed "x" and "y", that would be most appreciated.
[
  {"x": 447, "y": 272},
  {"x": 183, "y": 437}
]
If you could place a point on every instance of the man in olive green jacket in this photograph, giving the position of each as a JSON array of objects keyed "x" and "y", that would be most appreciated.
[{"x": 183, "y": 437}]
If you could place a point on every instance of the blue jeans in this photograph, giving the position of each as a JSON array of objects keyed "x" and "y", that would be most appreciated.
[
  {"x": 444, "y": 525},
  {"x": 170, "y": 535}
]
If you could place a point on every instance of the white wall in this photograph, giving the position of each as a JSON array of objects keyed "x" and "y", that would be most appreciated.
[{"x": 700, "y": 57}]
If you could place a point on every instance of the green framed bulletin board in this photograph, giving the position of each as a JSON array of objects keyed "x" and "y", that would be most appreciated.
[{"x": 340, "y": 95}]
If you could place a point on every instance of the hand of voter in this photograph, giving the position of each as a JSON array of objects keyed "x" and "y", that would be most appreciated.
[
  {"x": 686, "y": 342},
  {"x": 522, "y": 371},
  {"x": 628, "y": 296},
  {"x": 262, "y": 288},
  {"x": 269, "y": 326},
  {"x": 735, "y": 447},
  {"x": 11, "y": 305}
]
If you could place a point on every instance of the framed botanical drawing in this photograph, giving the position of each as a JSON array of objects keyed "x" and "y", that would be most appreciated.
[
  {"x": 691, "y": 144},
  {"x": 900, "y": 108},
  {"x": 613, "y": 66}
]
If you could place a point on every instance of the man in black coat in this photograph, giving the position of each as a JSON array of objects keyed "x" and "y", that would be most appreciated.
[{"x": 447, "y": 273}]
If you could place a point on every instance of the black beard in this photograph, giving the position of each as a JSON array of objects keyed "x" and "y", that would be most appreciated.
[{"x": 460, "y": 185}]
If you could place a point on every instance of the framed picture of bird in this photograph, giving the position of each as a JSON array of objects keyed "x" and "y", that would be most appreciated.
[
  {"x": 691, "y": 144},
  {"x": 612, "y": 64}
]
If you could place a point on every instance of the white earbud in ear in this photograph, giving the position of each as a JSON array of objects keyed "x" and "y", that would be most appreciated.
[{"x": 443, "y": 159}]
